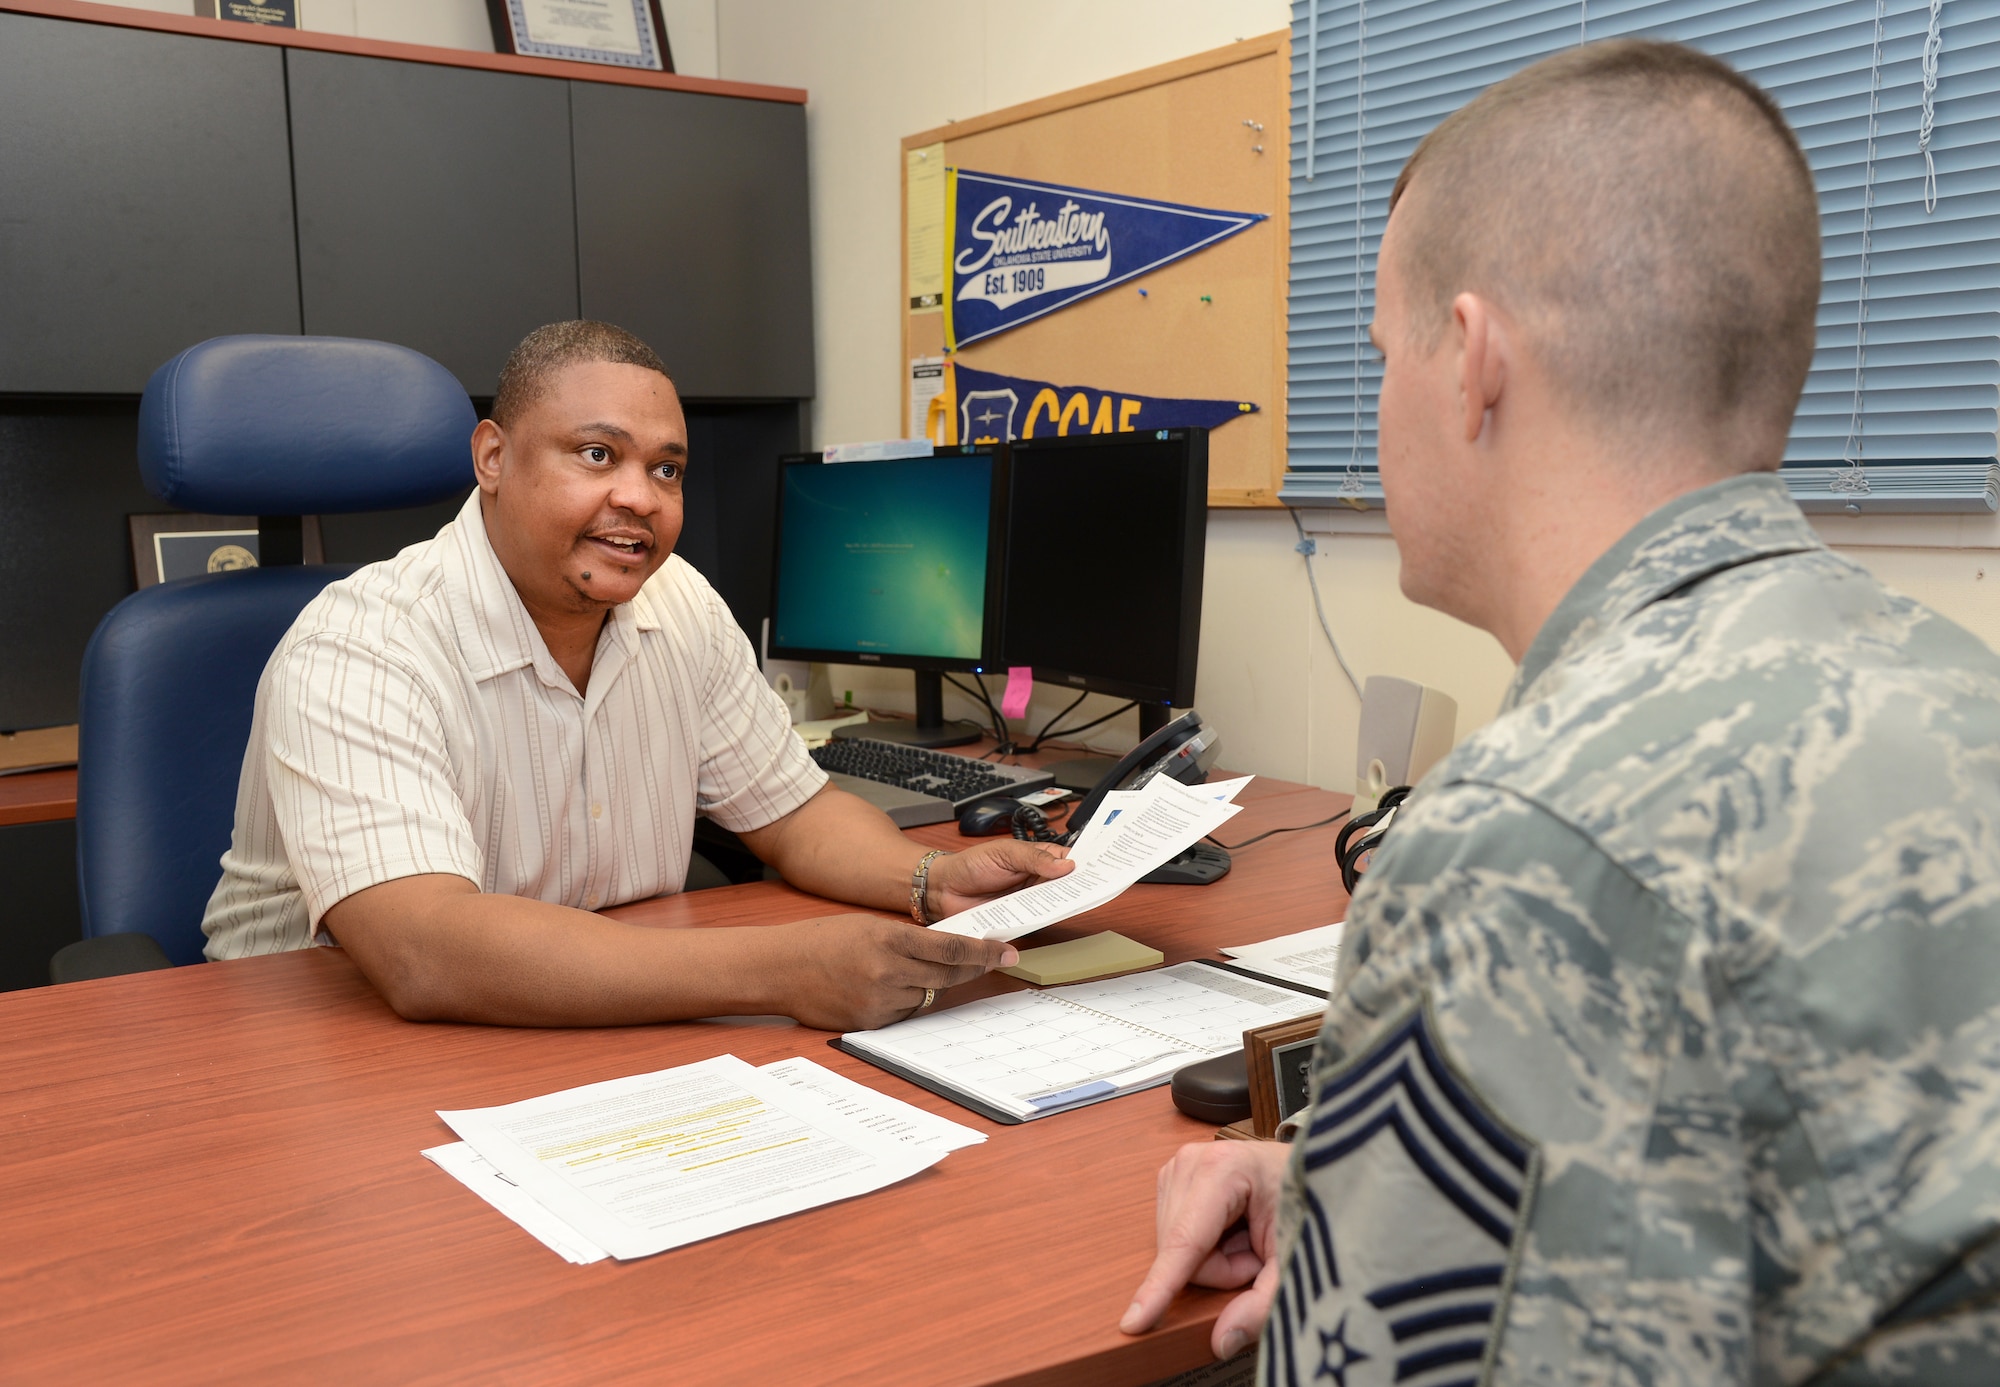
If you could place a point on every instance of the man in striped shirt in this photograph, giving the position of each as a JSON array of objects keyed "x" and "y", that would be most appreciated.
[{"x": 459, "y": 755}]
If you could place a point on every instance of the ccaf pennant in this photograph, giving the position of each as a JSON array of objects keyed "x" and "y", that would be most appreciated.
[
  {"x": 1021, "y": 249},
  {"x": 985, "y": 407}
]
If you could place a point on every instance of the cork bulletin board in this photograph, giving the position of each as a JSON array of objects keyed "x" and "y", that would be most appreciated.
[{"x": 1210, "y": 131}]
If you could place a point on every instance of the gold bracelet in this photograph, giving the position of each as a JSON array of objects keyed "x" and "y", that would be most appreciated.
[{"x": 920, "y": 885}]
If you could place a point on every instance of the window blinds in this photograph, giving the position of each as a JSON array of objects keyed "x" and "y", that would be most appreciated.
[{"x": 1897, "y": 103}]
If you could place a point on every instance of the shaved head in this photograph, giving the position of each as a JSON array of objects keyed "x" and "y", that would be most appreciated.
[{"x": 1646, "y": 217}]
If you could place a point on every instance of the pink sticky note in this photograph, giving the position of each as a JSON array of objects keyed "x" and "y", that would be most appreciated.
[{"x": 1020, "y": 686}]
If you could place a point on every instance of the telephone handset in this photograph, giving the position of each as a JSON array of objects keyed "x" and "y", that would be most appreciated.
[{"x": 1184, "y": 749}]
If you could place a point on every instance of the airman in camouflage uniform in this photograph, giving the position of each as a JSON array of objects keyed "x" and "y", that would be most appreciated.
[
  {"x": 1665, "y": 1047},
  {"x": 1699, "y": 945}
]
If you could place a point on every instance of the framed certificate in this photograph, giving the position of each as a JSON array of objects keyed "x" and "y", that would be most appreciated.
[
  {"x": 622, "y": 33},
  {"x": 282, "y": 13}
]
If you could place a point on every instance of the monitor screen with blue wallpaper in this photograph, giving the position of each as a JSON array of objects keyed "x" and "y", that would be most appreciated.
[{"x": 885, "y": 561}]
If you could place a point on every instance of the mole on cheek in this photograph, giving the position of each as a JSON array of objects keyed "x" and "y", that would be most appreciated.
[{"x": 586, "y": 577}]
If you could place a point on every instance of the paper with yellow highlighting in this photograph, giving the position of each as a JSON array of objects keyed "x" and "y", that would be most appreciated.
[{"x": 654, "y": 1161}]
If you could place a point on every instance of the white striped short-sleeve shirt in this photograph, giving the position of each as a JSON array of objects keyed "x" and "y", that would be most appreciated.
[{"x": 413, "y": 721}]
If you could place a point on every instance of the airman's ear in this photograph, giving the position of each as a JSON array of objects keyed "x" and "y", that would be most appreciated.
[{"x": 1482, "y": 359}]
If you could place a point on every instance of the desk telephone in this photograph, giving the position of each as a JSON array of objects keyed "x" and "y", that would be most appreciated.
[{"x": 1184, "y": 749}]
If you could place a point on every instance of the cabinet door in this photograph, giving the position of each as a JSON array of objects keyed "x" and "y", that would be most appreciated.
[
  {"x": 435, "y": 206},
  {"x": 692, "y": 232},
  {"x": 145, "y": 201}
]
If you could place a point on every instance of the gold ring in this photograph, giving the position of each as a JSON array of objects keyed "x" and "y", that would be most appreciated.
[{"x": 930, "y": 995}]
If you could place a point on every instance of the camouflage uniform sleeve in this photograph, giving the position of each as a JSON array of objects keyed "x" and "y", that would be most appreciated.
[{"x": 1520, "y": 1165}]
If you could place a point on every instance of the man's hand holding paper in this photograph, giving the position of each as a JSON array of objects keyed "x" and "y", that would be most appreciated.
[{"x": 1134, "y": 832}]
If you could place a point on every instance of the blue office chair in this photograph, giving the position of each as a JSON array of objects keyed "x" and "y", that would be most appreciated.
[{"x": 276, "y": 427}]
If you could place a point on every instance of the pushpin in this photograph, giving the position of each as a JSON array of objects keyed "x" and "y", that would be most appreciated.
[
  {"x": 1206, "y": 299},
  {"x": 1142, "y": 294}
]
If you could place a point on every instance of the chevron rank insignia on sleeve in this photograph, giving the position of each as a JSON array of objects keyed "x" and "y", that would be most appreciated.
[{"x": 1416, "y": 1199}]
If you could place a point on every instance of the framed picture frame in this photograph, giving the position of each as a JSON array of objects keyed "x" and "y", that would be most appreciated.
[
  {"x": 618, "y": 33},
  {"x": 179, "y": 545},
  {"x": 1279, "y": 1058}
]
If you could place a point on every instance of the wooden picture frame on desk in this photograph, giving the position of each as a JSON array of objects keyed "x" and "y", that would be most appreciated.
[{"x": 1279, "y": 1058}]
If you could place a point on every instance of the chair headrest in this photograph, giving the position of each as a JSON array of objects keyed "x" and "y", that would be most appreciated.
[{"x": 267, "y": 425}]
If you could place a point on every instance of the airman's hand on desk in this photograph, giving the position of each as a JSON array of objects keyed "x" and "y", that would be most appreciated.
[
  {"x": 962, "y": 880},
  {"x": 857, "y": 972},
  {"x": 1218, "y": 1226}
]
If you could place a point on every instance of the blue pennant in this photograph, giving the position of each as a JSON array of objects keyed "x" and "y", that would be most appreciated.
[
  {"x": 992, "y": 408},
  {"x": 1021, "y": 249}
]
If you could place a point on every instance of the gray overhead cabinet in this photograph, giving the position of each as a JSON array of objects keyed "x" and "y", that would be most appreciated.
[
  {"x": 145, "y": 201},
  {"x": 435, "y": 206},
  {"x": 692, "y": 232},
  {"x": 160, "y": 188}
]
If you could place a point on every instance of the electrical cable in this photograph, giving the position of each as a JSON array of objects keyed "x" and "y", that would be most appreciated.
[
  {"x": 992, "y": 711},
  {"x": 1081, "y": 727},
  {"x": 1269, "y": 832},
  {"x": 1307, "y": 548},
  {"x": 1038, "y": 738},
  {"x": 995, "y": 725}
]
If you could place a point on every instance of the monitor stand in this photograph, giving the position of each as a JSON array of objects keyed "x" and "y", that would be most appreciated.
[
  {"x": 930, "y": 728},
  {"x": 1082, "y": 773}
]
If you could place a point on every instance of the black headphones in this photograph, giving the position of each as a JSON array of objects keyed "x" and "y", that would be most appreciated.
[{"x": 1356, "y": 841}]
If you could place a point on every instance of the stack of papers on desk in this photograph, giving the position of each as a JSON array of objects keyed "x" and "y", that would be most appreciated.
[
  {"x": 1028, "y": 1054},
  {"x": 635, "y": 1166},
  {"x": 1309, "y": 958},
  {"x": 1133, "y": 832}
]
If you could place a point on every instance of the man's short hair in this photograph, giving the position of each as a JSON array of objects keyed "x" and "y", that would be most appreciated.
[
  {"x": 1646, "y": 215},
  {"x": 547, "y": 350}
]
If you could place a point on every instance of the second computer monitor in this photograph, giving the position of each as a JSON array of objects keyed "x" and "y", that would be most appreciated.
[{"x": 1105, "y": 539}]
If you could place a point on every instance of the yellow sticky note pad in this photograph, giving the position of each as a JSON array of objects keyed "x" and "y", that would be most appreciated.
[{"x": 1080, "y": 959}]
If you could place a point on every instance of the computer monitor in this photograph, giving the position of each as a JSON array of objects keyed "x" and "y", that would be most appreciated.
[
  {"x": 1105, "y": 537},
  {"x": 892, "y": 563}
]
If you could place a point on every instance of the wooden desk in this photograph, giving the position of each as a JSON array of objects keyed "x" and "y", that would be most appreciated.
[
  {"x": 37, "y": 797},
  {"x": 211, "y": 1175}
]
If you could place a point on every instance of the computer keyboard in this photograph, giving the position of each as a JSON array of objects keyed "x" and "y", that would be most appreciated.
[{"x": 959, "y": 779}]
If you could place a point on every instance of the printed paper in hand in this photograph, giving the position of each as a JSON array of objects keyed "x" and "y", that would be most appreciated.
[
  {"x": 1146, "y": 828},
  {"x": 886, "y": 1116},
  {"x": 1117, "y": 802},
  {"x": 655, "y": 1161},
  {"x": 1310, "y": 957}
]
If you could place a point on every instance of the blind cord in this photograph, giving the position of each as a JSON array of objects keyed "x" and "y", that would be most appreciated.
[
  {"x": 1853, "y": 480},
  {"x": 1312, "y": 87},
  {"x": 1933, "y": 42},
  {"x": 1307, "y": 548},
  {"x": 1350, "y": 485}
]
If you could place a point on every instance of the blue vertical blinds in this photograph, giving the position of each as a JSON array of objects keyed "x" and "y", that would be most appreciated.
[{"x": 1897, "y": 103}]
